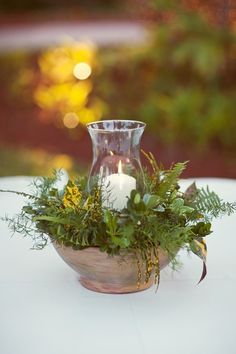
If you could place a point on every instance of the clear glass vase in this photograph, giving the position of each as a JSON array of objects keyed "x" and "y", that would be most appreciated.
[{"x": 116, "y": 163}]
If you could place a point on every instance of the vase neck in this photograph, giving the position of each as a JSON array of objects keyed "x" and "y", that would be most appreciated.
[
  {"x": 116, "y": 138},
  {"x": 116, "y": 143}
]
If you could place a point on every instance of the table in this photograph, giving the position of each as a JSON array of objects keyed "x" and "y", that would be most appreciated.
[{"x": 45, "y": 310}]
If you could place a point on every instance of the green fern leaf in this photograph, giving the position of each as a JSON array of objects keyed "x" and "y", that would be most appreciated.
[
  {"x": 170, "y": 179},
  {"x": 210, "y": 203}
]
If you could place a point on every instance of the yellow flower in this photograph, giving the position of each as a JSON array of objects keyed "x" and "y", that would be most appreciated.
[{"x": 72, "y": 196}]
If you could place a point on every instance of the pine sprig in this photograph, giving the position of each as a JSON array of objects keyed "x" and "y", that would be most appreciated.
[
  {"x": 27, "y": 195},
  {"x": 23, "y": 225}
]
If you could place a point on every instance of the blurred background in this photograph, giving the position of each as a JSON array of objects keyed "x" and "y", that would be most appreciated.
[{"x": 66, "y": 63}]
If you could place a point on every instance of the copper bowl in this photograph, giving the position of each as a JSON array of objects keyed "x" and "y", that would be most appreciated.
[{"x": 107, "y": 274}]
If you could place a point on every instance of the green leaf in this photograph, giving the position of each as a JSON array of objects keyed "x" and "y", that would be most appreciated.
[
  {"x": 111, "y": 222},
  {"x": 137, "y": 198},
  {"x": 151, "y": 201},
  {"x": 107, "y": 216},
  {"x": 53, "y": 219},
  {"x": 140, "y": 207},
  {"x": 122, "y": 242},
  {"x": 128, "y": 231},
  {"x": 124, "y": 237},
  {"x": 177, "y": 203},
  {"x": 160, "y": 209},
  {"x": 133, "y": 194},
  {"x": 178, "y": 207},
  {"x": 202, "y": 229}
]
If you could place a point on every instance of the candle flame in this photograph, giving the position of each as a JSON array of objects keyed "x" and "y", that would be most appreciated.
[
  {"x": 120, "y": 167},
  {"x": 111, "y": 153}
]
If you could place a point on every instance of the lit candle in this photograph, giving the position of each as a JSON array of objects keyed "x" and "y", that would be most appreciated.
[
  {"x": 116, "y": 189},
  {"x": 110, "y": 162}
]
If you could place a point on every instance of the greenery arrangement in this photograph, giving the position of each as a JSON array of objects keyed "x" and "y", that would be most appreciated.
[{"x": 163, "y": 217}]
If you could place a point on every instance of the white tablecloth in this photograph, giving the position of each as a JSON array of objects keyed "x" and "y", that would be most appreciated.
[{"x": 45, "y": 310}]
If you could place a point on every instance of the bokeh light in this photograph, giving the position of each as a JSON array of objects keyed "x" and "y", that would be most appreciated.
[
  {"x": 71, "y": 120},
  {"x": 82, "y": 71},
  {"x": 63, "y": 161},
  {"x": 34, "y": 162},
  {"x": 64, "y": 90}
]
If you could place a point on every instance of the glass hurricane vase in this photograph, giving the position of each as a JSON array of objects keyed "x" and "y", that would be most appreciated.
[{"x": 116, "y": 165}]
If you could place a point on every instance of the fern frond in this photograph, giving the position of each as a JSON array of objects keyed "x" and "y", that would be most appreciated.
[
  {"x": 170, "y": 179},
  {"x": 209, "y": 202}
]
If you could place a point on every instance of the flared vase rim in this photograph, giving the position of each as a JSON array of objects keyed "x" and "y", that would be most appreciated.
[{"x": 141, "y": 126}]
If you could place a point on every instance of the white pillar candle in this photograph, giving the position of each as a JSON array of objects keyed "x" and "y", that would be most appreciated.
[{"x": 116, "y": 189}]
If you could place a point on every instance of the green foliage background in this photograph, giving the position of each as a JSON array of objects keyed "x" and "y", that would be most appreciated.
[{"x": 182, "y": 84}]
